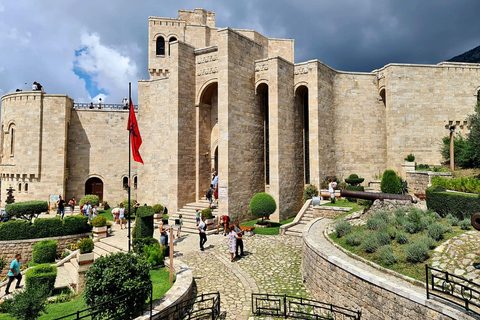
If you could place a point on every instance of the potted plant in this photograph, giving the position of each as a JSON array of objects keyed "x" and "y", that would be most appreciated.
[
  {"x": 207, "y": 214},
  {"x": 99, "y": 227},
  {"x": 86, "y": 251}
]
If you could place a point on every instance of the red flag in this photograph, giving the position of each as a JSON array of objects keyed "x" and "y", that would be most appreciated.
[{"x": 134, "y": 134}]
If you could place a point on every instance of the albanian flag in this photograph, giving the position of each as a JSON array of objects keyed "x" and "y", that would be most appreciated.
[{"x": 134, "y": 134}]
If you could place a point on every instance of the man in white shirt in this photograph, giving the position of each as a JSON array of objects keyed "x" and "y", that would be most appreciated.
[{"x": 202, "y": 227}]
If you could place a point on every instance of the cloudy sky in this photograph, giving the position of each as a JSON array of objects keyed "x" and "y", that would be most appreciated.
[{"x": 88, "y": 49}]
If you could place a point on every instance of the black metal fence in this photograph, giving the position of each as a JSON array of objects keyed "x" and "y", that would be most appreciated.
[
  {"x": 455, "y": 289},
  {"x": 107, "y": 106},
  {"x": 204, "y": 306},
  {"x": 98, "y": 311},
  {"x": 299, "y": 308}
]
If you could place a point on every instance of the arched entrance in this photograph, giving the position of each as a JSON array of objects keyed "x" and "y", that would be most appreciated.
[{"x": 94, "y": 186}]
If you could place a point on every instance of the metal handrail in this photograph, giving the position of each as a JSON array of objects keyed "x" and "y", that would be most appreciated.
[
  {"x": 204, "y": 306},
  {"x": 107, "y": 106}
]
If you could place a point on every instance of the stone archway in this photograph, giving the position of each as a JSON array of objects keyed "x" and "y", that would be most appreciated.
[{"x": 94, "y": 186}]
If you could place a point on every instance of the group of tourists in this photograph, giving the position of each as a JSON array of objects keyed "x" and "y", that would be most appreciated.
[
  {"x": 61, "y": 203},
  {"x": 118, "y": 215}
]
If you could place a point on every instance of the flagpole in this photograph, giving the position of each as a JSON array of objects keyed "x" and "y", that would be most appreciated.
[{"x": 129, "y": 161}]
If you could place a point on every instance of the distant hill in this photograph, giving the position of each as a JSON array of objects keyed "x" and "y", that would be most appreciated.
[{"x": 471, "y": 56}]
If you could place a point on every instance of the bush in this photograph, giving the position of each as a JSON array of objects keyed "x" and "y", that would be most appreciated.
[
  {"x": 132, "y": 205},
  {"x": 390, "y": 183},
  {"x": 207, "y": 213},
  {"x": 99, "y": 221},
  {"x": 144, "y": 222},
  {"x": 41, "y": 276},
  {"x": 401, "y": 237},
  {"x": 75, "y": 225},
  {"x": 158, "y": 208},
  {"x": 115, "y": 275},
  {"x": 375, "y": 223},
  {"x": 354, "y": 239},
  {"x": 436, "y": 231},
  {"x": 86, "y": 245},
  {"x": 44, "y": 251},
  {"x": 412, "y": 227},
  {"x": 387, "y": 256},
  {"x": 28, "y": 304},
  {"x": 463, "y": 184},
  {"x": 382, "y": 215},
  {"x": 262, "y": 205},
  {"x": 154, "y": 253},
  {"x": 417, "y": 251},
  {"x": 465, "y": 224},
  {"x": 26, "y": 210},
  {"x": 140, "y": 243},
  {"x": 370, "y": 243},
  {"x": 399, "y": 213},
  {"x": 47, "y": 227},
  {"x": 343, "y": 228},
  {"x": 310, "y": 191},
  {"x": 354, "y": 180},
  {"x": 14, "y": 230},
  {"x": 415, "y": 216},
  {"x": 460, "y": 205},
  {"x": 383, "y": 238},
  {"x": 453, "y": 221},
  {"x": 392, "y": 232},
  {"x": 93, "y": 200},
  {"x": 410, "y": 158},
  {"x": 354, "y": 188}
]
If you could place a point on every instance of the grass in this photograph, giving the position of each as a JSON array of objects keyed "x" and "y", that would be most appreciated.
[
  {"x": 344, "y": 203},
  {"x": 161, "y": 284},
  {"x": 273, "y": 230}
]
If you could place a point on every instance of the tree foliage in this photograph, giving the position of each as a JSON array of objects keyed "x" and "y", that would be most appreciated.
[
  {"x": 391, "y": 183},
  {"x": 262, "y": 205}
]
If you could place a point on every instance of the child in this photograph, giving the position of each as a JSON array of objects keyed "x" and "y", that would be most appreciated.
[
  {"x": 180, "y": 226},
  {"x": 197, "y": 216},
  {"x": 232, "y": 242}
]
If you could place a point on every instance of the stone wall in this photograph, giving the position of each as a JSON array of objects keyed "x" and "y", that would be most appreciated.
[
  {"x": 8, "y": 249},
  {"x": 418, "y": 181}
]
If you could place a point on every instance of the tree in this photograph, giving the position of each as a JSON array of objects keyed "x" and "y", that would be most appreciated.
[
  {"x": 391, "y": 183},
  {"x": 262, "y": 205},
  {"x": 28, "y": 304},
  {"x": 123, "y": 275}
]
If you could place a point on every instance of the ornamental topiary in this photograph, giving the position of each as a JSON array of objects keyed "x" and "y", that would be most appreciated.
[
  {"x": 354, "y": 180},
  {"x": 44, "y": 251},
  {"x": 158, "y": 208},
  {"x": 310, "y": 191},
  {"x": 93, "y": 200},
  {"x": 140, "y": 243},
  {"x": 144, "y": 222},
  {"x": 75, "y": 225},
  {"x": 123, "y": 275},
  {"x": 99, "y": 222},
  {"x": 86, "y": 245},
  {"x": 207, "y": 213},
  {"x": 47, "y": 227},
  {"x": 26, "y": 210},
  {"x": 132, "y": 204},
  {"x": 14, "y": 230},
  {"x": 43, "y": 275},
  {"x": 262, "y": 205},
  {"x": 390, "y": 183}
]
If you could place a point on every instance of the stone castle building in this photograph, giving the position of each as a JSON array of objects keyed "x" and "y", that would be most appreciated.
[{"x": 234, "y": 101}]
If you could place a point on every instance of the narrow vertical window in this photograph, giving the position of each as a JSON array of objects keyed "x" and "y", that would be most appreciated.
[
  {"x": 19, "y": 187},
  {"x": 135, "y": 182},
  {"x": 306, "y": 144},
  {"x": 26, "y": 187},
  {"x": 12, "y": 142},
  {"x": 125, "y": 182},
  {"x": 160, "y": 46}
]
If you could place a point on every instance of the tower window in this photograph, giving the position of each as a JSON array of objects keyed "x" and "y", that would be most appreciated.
[{"x": 160, "y": 46}]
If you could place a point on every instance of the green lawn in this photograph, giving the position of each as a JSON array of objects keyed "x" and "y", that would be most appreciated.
[
  {"x": 273, "y": 230},
  {"x": 160, "y": 279}
]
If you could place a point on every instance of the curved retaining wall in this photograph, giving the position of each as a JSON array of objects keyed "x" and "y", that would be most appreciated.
[{"x": 332, "y": 277}]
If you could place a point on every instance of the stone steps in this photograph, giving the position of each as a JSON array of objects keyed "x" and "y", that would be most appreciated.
[{"x": 188, "y": 213}]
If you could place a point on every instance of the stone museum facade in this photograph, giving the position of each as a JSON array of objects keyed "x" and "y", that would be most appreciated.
[{"x": 234, "y": 101}]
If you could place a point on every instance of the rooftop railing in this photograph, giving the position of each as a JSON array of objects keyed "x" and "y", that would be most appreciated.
[{"x": 106, "y": 106}]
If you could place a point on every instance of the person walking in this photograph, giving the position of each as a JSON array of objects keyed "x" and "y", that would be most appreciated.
[
  {"x": 72, "y": 204},
  {"x": 209, "y": 195},
  {"x": 239, "y": 243},
  {"x": 87, "y": 209},
  {"x": 61, "y": 207},
  {"x": 180, "y": 224},
  {"x": 121, "y": 217},
  {"x": 197, "y": 216},
  {"x": 232, "y": 242},
  {"x": 14, "y": 273},
  {"x": 203, "y": 236}
]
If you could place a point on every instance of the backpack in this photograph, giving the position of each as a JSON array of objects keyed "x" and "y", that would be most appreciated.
[
  {"x": 39, "y": 87},
  {"x": 209, "y": 193}
]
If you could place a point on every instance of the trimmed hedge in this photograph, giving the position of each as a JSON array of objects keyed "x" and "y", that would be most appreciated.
[
  {"x": 460, "y": 205},
  {"x": 85, "y": 245},
  {"x": 158, "y": 208},
  {"x": 26, "y": 210},
  {"x": 75, "y": 225},
  {"x": 14, "y": 230},
  {"x": 93, "y": 200},
  {"x": 99, "y": 221},
  {"x": 390, "y": 183},
  {"x": 262, "y": 205},
  {"x": 44, "y": 251},
  {"x": 144, "y": 222},
  {"x": 41, "y": 275},
  {"x": 47, "y": 227},
  {"x": 353, "y": 188},
  {"x": 354, "y": 180}
]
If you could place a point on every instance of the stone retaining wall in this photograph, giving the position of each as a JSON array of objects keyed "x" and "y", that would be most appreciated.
[
  {"x": 418, "y": 181},
  {"x": 8, "y": 249},
  {"x": 328, "y": 212},
  {"x": 333, "y": 280}
]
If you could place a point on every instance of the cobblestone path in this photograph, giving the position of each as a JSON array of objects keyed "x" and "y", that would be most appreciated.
[{"x": 272, "y": 265}]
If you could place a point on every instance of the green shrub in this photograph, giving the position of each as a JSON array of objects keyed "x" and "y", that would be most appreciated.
[
  {"x": 86, "y": 245},
  {"x": 382, "y": 215},
  {"x": 417, "y": 251},
  {"x": 399, "y": 213},
  {"x": 410, "y": 158},
  {"x": 429, "y": 242},
  {"x": 412, "y": 227},
  {"x": 140, "y": 243},
  {"x": 114, "y": 275},
  {"x": 158, "y": 208},
  {"x": 435, "y": 216},
  {"x": 207, "y": 213},
  {"x": 354, "y": 188},
  {"x": 75, "y": 225},
  {"x": 144, "y": 222},
  {"x": 453, "y": 221},
  {"x": 43, "y": 275},
  {"x": 354, "y": 180},
  {"x": 383, "y": 238},
  {"x": 436, "y": 231},
  {"x": 343, "y": 228},
  {"x": 387, "y": 256},
  {"x": 28, "y": 304},
  {"x": 310, "y": 191},
  {"x": 3, "y": 263},
  {"x": 354, "y": 239},
  {"x": 463, "y": 184},
  {"x": 375, "y": 223},
  {"x": 132, "y": 205},
  {"x": 390, "y": 183},
  {"x": 154, "y": 253},
  {"x": 426, "y": 221},
  {"x": 26, "y": 210},
  {"x": 47, "y": 227},
  {"x": 93, "y": 200},
  {"x": 262, "y": 205},
  {"x": 14, "y": 230},
  {"x": 370, "y": 243},
  {"x": 392, "y": 232},
  {"x": 44, "y": 251},
  {"x": 465, "y": 224},
  {"x": 401, "y": 237},
  {"x": 99, "y": 221},
  {"x": 415, "y": 215},
  {"x": 5, "y": 305},
  {"x": 460, "y": 205}
]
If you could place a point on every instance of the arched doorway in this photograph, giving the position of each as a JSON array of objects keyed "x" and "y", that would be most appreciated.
[{"x": 94, "y": 186}]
